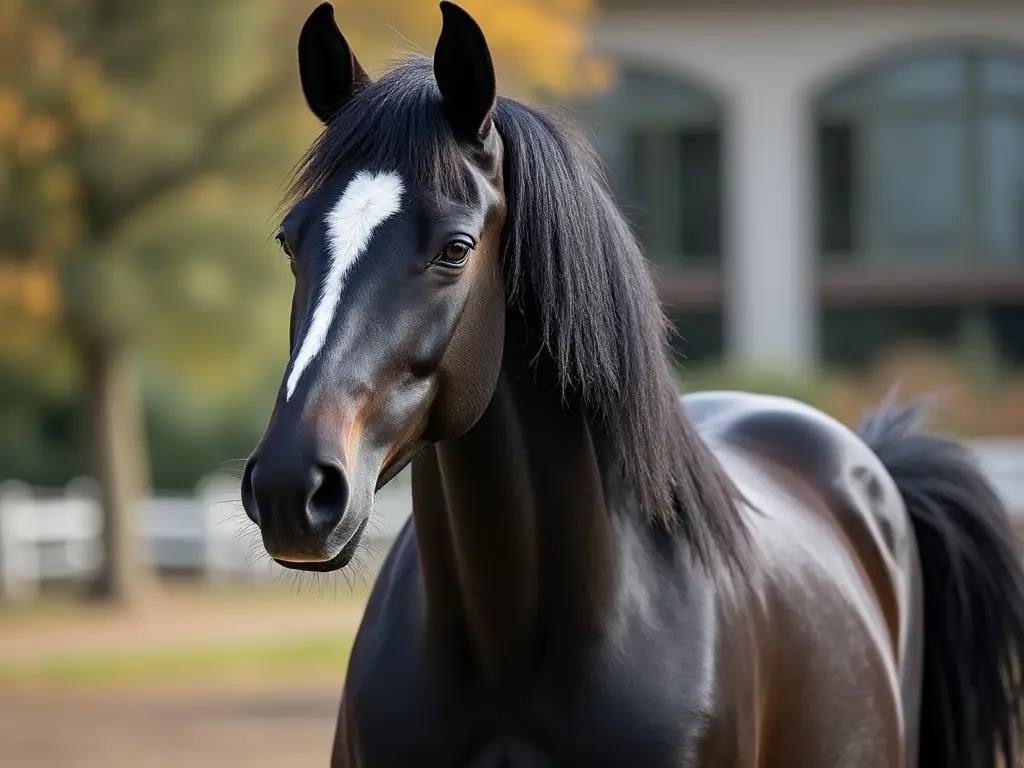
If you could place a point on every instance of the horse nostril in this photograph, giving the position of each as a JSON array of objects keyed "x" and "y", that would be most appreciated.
[
  {"x": 329, "y": 500},
  {"x": 248, "y": 496}
]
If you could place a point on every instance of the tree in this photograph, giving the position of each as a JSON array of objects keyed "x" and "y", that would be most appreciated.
[
  {"x": 135, "y": 159},
  {"x": 142, "y": 147}
]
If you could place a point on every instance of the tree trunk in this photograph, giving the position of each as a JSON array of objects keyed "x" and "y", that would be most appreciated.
[{"x": 117, "y": 459}]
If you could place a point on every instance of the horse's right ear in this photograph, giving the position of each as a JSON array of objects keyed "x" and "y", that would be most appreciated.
[
  {"x": 328, "y": 70},
  {"x": 464, "y": 74}
]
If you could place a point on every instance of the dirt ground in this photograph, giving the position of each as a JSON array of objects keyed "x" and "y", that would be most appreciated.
[
  {"x": 198, "y": 722},
  {"x": 177, "y": 619},
  {"x": 203, "y": 727}
]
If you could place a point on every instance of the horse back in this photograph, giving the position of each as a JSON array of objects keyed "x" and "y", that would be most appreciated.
[{"x": 835, "y": 570}]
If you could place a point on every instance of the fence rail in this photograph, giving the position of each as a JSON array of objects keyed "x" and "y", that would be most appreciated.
[
  {"x": 55, "y": 535},
  {"x": 49, "y": 535}
]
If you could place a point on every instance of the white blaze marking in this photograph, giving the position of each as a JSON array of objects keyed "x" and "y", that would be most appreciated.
[{"x": 368, "y": 200}]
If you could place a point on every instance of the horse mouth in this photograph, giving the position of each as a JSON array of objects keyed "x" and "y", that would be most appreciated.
[{"x": 336, "y": 563}]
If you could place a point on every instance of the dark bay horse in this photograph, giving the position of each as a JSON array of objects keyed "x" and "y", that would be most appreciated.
[{"x": 596, "y": 573}]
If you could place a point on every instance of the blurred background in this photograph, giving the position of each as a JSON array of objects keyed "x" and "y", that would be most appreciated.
[{"x": 831, "y": 194}]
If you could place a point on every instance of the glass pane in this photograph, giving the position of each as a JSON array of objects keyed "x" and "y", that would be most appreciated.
[
  {"x": 846, "y": 99},
  {"x": 915, "y": 182},
  {"x": 701, "y": 182},
  {"x": 1003, "y": 75},
  {"x": 656, "y": 193},
  {"x": 935, "y": 75},
  {"x": 922, "y": 78},
  {"x": 609, "y": 143},
  {"x": 836, "y": 188},
  {"x": 1002, "y": 169},
  {"x": 672, "y": 195},
  {"x": 644, "y": 97},
  {"x": 699, "y": 338},
  {"x": 659, "y": 139},
  {"x": 1008, "y": 325}
]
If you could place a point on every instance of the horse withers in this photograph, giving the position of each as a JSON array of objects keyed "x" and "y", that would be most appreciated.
[{"x": 596, "y": 573}]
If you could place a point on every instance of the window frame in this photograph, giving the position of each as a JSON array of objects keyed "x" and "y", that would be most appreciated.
[
  {"x": 971, "y": 104},
  {"x": 626, "y": 110}
]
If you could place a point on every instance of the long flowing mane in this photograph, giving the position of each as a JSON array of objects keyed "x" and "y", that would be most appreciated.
[{"x": 573, "y": 265}]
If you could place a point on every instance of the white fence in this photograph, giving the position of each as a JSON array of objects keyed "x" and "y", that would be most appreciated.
[
  {"x": 48, "y": 535},
  {"x": 55, "y": 535}
]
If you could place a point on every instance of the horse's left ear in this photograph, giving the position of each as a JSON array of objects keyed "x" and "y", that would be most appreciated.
[
  {"x": 328, "y": 69},
  {"x": 464, "y": 74}
]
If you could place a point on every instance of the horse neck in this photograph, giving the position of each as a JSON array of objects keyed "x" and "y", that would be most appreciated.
[{"x": 514, "y": 533}]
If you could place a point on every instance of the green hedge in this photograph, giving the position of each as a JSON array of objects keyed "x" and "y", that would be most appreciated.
[
  {"x": 41, "y": 428},
  {"x": 719, "y": 376}
]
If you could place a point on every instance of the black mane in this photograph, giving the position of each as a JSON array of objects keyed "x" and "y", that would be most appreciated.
[{"x": 570, "y": 256}]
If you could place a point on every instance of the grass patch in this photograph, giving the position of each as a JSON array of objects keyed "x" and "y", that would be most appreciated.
[
  {"x": 301, "y": 657},
  {"x": 57, "y": 604}
]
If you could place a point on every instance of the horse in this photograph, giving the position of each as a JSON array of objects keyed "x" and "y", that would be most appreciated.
[{"x": 597, "y": 571}]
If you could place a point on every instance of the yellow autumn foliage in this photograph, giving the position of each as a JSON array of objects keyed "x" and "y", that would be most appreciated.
[
  {"x": 10, "y": 114},
  {"x": 29, "y": 287},
  {"x": 80, "y": 131}
]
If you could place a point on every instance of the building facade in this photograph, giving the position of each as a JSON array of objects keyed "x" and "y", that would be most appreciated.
[{"x": 815, "y": 181}]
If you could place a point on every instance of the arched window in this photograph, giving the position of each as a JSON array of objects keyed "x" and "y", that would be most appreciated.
[
  {"x": 660, "y": 138},
  {"x": 922, "y": 162},
  {"x": 921, "y": 204}
]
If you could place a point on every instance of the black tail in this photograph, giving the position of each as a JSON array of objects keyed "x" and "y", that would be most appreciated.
[{"x": 972, "y": 706}]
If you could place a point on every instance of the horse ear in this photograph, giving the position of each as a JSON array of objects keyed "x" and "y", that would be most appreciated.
[
  {"x": 464, "y": 74},
  {"x": 328, "y": 70}
]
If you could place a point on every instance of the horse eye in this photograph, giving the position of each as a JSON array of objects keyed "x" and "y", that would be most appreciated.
[
  {"x": 282, "y": 241},
  {"x": 454, "y": 254}
]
